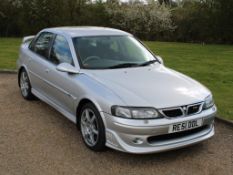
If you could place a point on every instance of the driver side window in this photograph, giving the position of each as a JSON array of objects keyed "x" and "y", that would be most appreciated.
[{"x": 60, "y": 51}]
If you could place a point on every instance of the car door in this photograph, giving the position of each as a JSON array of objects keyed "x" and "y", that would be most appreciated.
[
  {"x": 61, "y": 84},
  {"x": 38, "y": 61}
]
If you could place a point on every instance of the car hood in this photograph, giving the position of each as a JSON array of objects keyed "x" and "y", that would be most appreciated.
[{"x": 152, "y": 86}]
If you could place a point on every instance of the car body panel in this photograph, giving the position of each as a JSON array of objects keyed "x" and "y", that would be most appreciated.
[{"x": 148, "y": 86}]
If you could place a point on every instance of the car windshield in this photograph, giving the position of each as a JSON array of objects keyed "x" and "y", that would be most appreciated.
[{"x": 108, "y": 52}]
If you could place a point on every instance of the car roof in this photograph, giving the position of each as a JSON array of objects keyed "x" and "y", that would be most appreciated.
[{"x": 86, "y": 31}]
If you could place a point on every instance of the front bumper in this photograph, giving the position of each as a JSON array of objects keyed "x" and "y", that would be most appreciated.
[{"x": 132, "y": 136}]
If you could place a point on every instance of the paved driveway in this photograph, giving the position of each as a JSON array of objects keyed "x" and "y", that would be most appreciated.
[{"x": 35, "y": 139}]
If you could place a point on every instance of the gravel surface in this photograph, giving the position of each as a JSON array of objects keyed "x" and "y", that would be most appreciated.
[{"x": 36, "y": 139}]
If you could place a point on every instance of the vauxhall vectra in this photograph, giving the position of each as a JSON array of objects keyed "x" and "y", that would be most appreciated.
[{"x": 117, "y": 91}]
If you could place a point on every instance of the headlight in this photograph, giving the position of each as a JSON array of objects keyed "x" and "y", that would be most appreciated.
[
  {"x": 209, "y": 102},
  {"x": 135, "y": 112}
]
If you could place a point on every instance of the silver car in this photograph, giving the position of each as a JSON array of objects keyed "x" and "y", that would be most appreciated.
[{"x": 117, "y": 91}]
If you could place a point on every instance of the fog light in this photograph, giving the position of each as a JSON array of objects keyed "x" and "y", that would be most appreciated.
[{"x": 137, "y": 141}]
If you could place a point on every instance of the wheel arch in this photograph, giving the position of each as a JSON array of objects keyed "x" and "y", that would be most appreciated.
[{"x": 81, "y": 103}]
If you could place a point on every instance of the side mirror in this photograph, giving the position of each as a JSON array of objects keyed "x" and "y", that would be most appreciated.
[
  {"x": 65, "y": 67},
  {"x": 160, "y": 59}
]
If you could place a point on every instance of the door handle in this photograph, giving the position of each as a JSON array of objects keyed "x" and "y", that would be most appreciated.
[{"x": 47, "y": 70}]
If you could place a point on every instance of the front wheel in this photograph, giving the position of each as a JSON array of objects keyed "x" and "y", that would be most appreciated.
[{"x": 92, "y": 128}]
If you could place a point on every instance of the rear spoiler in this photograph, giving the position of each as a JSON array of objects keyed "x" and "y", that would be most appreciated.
[{"x": 28, "y": 38}]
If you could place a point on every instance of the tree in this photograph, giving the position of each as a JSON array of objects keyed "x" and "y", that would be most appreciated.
[{"x": 147, "y": 21}]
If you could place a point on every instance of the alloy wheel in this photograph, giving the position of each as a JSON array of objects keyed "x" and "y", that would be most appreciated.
[
  {"x": 24, "y": 84},
  {"x": 89, "y": 127}
]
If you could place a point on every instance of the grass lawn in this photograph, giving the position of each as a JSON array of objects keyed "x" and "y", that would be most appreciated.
[
  {"x": 212, "y": 65},
  {"x": 9, "y": 49}
]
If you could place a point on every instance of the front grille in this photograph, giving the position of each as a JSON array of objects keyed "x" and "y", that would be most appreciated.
[
  {"x": 177, "y": 135},
  {"x": 173, "y": 112},
  {"x": 193, "y": 109},
  {"x": 182, "y": 110}
]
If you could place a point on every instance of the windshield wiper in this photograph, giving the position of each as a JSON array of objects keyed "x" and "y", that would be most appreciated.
[
  {"x": 148, "y": 63},
  {"x": 123, "y": 65}
]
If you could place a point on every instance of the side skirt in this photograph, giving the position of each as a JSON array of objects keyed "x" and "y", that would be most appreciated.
[{"x": 68, "y": 115}]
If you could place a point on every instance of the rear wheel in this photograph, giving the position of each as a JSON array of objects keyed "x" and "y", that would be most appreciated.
[
  {"x": 92, "y": 128},
  {"x": 25, "y": 85}
]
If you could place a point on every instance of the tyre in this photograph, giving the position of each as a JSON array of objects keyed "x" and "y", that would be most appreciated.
[
  {"x": 92, "y": 128},
  {"x": 25, "y": 86}
]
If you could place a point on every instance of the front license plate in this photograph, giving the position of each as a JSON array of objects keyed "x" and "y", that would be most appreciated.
[{"x": 185, "y": 125}]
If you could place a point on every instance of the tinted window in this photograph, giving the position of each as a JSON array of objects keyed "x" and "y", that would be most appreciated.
[
  {"x": 60, "y": 52},
  {"x": 42, "y": 44}
]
